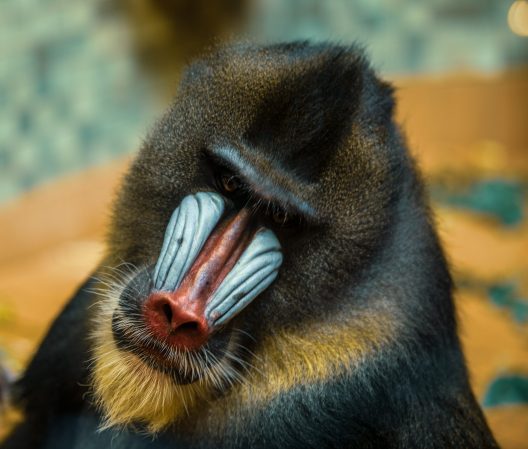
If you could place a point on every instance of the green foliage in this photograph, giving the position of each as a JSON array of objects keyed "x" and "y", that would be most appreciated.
[
  {"x": 507, "y": 390},
  {"x": 507, "y": 297},
  {"x": 500, "y": 198}
]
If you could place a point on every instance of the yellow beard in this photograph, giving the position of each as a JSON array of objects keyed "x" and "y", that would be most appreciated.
[{"x": 129, "y": 391}]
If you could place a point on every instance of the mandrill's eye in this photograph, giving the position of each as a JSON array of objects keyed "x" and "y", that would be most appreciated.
[{"x": 230, "y": 183}]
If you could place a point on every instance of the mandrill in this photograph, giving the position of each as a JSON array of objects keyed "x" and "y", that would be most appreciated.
[{"x": 272, "y": 279}]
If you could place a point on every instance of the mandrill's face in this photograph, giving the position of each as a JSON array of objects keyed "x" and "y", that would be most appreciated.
[{"x": 250, "y": 210}]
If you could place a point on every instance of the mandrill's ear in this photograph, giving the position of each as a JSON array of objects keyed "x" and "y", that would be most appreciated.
[
  {"x": 377, "y": 100},
  {"x": 387, "y": 99}
]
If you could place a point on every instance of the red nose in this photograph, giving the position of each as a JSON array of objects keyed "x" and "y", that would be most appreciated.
[
  {"x": 176, "y": 321},
  {"x": 177, "y": 318}
]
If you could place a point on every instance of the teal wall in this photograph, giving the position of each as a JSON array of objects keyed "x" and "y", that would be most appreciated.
[
  {"x": 402, "y": 36},
  {"x": 71, "y": 95}
]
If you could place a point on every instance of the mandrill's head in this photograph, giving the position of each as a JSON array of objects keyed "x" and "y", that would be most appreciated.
[{"x": 255, "y": 206}]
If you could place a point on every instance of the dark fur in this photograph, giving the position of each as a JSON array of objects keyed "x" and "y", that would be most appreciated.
[{"x": 366, "y": 244}]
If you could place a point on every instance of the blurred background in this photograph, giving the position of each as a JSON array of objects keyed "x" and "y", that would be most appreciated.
[{"x": 81, "y": 81}]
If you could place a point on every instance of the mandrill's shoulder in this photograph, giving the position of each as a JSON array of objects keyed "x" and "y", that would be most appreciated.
[
  {"x": 56, "y": 372},
  {"x": 56, "y": 379}
]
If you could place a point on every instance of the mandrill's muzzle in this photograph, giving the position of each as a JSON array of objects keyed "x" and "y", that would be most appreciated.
[{"x": 209, "y": 269}]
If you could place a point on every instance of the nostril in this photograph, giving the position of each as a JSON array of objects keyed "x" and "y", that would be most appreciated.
[
  {"x": 189, "y": 330},
  {"x": 167, "y": 311},
  {"x": 191, "y": 326}
]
